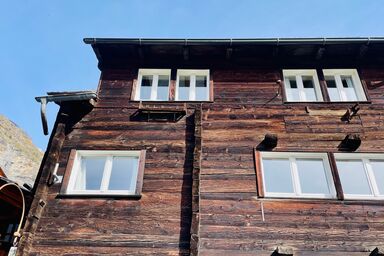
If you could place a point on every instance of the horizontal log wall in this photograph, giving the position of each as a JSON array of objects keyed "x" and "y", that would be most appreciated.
[
  {"x": 158, "y": 223},
  {"x": 233, "y": 221},
  {"x": 247, "y": 105}
]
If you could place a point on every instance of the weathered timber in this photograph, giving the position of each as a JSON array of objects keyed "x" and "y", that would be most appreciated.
[
  {"x": 201, "y": 194},
  {"x": 195, "y": 223}
]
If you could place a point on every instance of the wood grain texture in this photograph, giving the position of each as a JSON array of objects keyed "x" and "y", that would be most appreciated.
[{"x": 209, "y": 191}]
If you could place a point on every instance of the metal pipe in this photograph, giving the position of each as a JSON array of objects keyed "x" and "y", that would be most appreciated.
[{"x": 273, "y": 41}]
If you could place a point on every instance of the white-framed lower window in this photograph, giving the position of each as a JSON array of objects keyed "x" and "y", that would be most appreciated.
[
  {"x": 153, "y": 84},
  {"x": 297, "y": 175},
  {"x": 302, "y": 85},
  {"x": 192, "y": 85},
  {"x": 104, "y": 172},
  {"x": 344, "y": 85},
  {"x": 361, "y": 175}
]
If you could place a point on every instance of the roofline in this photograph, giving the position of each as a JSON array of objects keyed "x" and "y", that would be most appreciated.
[{"x": 270, "y": 41}]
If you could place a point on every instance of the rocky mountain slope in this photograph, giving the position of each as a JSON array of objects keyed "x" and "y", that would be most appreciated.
[{"x": 19, "y": 157}]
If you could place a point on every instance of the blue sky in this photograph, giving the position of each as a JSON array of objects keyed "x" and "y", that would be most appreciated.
[{"x": 41, "y": 46}]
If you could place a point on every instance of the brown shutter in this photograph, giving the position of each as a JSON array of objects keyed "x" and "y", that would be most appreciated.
[
  {"x": 133, "y": 91},
  {"x": 140, "y": 174},
  {"x": 365, "y": 86},
  {"x": 282, "y": 86},
  {"x": 172, "y": 88},
  {"x": 336, "y": 177},
  {"x": 259, "y": 176},
  {"x": 323, "y": 85},
  {"x": 211, "y": 96},
  {"x": 68, "y": 171}
]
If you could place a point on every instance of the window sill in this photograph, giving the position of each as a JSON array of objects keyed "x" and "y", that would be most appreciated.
[
  {"x": 325, "y": 102},
  {"x": 96, "y": 196},
  {"x": 323, "y": 200}
]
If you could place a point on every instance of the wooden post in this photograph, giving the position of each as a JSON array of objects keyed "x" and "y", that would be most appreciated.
[
  {"x": 336, "y": 177},
  {"x": 50, "y": 159},
  {"x": 194, "y": 242}
]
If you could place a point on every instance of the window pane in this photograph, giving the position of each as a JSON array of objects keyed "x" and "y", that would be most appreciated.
[
  {"x": 309, "y": 88},
  {"x": 184, "y": 83},
  {"x": 124, "y": 173},
  {"x": 332, "y": 89},
  {"x": 162, "y": 88},
  {"x": 201, "y": 88},
  {"x": 349, "y": 88},
  {"x": 292, "y": 90},
  {"x": 353, "y": 177},
  {"x": 146, "y": 87},
  {"x": 378, "y": 170},
  {"x": 277, "y": 175},
  {"x": 312, "y": 176},
  {"x": 91, "y": 173}
]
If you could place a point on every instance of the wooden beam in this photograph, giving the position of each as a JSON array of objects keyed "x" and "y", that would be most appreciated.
[
  {"x": 51, "y": 158},
  {"x": 336, "y": 177},
  {"x": 320, "y": 52},
  {"x": 259, "y": 175},
  {"x": 362, "y": 51},
  {"x": 186, "y": 53},
  {"x": 194, "y": 241},
  {"x": 228, "y": 54}
]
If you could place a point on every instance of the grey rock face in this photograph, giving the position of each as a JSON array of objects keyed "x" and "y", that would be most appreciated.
[{"x": 19, "y": 157}]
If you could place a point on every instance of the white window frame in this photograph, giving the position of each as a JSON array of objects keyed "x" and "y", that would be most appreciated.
[
  {"x": 292, "y": 156},
  {"x": 298, "y": 74},
  {"x": 155, "y": 82},
  {"x": 108, "y": 154},
  {"x": 192, "y": 73},
  {"x": 365, "y": 157},
  {"x": 337, "y": 74}
]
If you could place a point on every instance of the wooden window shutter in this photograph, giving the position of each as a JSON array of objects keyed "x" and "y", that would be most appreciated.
[
  {"x": 134, "y": 88},
  {"x": 140, "y": 173},
  {"x": 68, "y": 171},
  {"x": 336, "y": 177},
  {"x": 259, "y": 176},
  {"x": 364, "y": 85},
  {"x": 211, "y": 96},
  {"x": 172, "y": 89}
]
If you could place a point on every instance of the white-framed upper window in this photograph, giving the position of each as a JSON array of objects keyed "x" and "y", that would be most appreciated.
[
  {"x": 302, "y": 175},
  {"x": 153, "y": 84},
  {"x": 302, "y": 85},
  {"x": 361, "y": 175},
  {"x": 104, "y": 173},
  {"x": 192, "y": 85},
  {"x": 344, "y": 85}
]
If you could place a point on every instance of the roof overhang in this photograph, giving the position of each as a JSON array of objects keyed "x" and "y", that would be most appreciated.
[{"x": 120, "y": 52}]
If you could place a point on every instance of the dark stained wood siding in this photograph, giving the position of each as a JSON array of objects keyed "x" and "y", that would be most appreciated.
[
  {"x": 159, "y": 222},
  {"x": 248, "y": 104},
  {"x": 231, "y": 218}
]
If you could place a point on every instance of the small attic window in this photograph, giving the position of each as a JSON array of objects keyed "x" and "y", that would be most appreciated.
[
  {"x": 302, "y": 85},
  {"x": 344, "y": 85},
  {"x": 153, "y": 85},
  {"x": 192, "y": 85}
]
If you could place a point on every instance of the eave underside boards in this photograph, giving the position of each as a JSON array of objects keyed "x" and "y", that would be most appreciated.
[{"x": 231, "y": 215}]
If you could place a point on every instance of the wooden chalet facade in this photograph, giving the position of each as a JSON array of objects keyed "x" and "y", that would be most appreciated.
[{"x": 218, "y": 147}]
